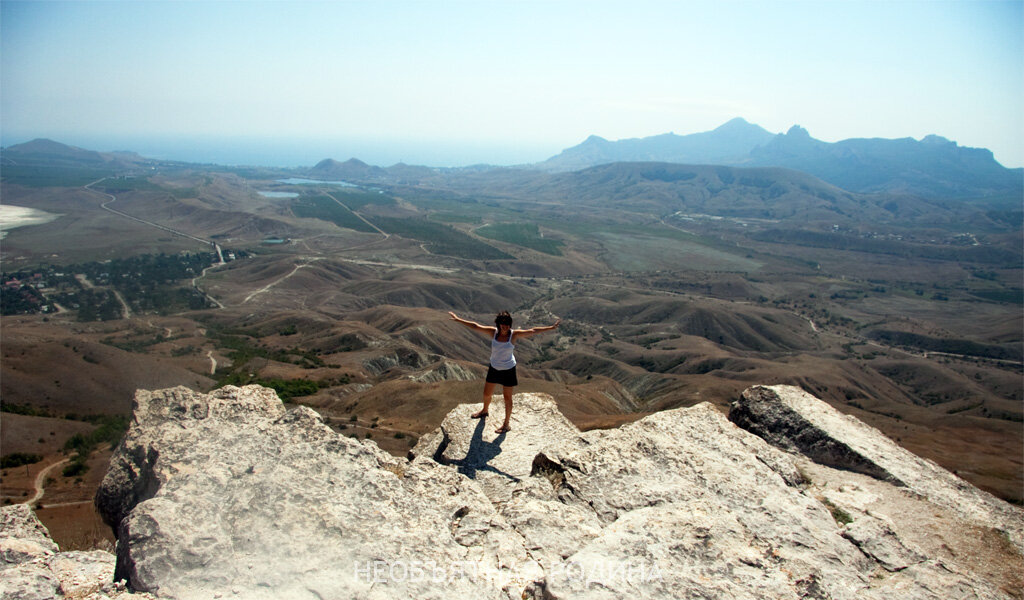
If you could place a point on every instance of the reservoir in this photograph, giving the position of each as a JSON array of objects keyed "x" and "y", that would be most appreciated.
[
  {"x": 20, "y": 216},
  {"x": 278, "y": 194}
]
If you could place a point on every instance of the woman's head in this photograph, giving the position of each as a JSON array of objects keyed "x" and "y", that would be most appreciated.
[{"x": 503, "y": 318}]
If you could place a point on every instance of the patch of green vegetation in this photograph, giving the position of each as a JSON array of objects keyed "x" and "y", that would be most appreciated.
[
  {"x": 947, "y": 345},
  {"x": 1007, "y": 296},
  {"x": 286, "y": 388},
  {"x": 356, "y": 199},
  {"x": 184, "y": 351},
  {"x": 109, "y": 430},
  {"x": 92, "y": 305},
  {"x": 841, "y": 516},
  {"x": 454, "y": 217},
  {"x": 18, "y": 459},
  {"x": 114, "y": 185},
  {"x": 327, "y": 209},
  {"x": 242, "y": 350},
  {"x": 527, "y": 235},
  {"x": 51, "y": 176},
  {"x": 441, "y": 239},
  {"x": 141, "y": 344},
  {"x": 25, "y": 409},
  {"x": 76, "y": 467}
]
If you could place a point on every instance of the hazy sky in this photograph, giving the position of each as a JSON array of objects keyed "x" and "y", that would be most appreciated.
[{"x": 443, "y": 83}]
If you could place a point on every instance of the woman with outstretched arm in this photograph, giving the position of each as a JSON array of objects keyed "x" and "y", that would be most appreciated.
[{"x": 502, "y": 369}]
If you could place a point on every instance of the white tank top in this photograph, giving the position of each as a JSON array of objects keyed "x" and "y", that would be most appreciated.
[{"x": 501, "y": 353}]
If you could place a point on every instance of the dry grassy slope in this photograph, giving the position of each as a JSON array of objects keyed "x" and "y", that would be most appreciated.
[
  {"x": 84, "y": 232},
  {"x": 46, "y": 366},
  {"x": 199, "y": 219},
  {"x": 37, "y": 435}
]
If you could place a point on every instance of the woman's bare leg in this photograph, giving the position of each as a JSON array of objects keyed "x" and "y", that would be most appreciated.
[
  {"x": 488, "y": 390},
  {"x": 506, "y": 392}
]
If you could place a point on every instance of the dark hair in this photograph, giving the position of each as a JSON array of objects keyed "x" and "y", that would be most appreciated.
[{"x": 503, "y": 318}]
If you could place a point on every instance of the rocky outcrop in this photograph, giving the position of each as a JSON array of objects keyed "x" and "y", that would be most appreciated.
[
  {"x": 792, "y": 419},
  {"x": 444, "y": 371},
  {"x": 400, "y": 357},
  {"x": 33, "y": 568},
  {"x": 230, "y": 495}
]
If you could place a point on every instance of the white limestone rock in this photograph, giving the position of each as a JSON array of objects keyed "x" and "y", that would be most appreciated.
[
  {"x": 33, "y": 568},
  {"x": 230, "y": 495},
  {"x": 242, "y": 497},
  {"x": 794, "y": 420}
]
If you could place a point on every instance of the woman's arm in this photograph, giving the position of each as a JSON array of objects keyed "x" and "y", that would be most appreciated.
[
  {"x": 525, "y": 333},
  {"x": 473, "y": 325}
]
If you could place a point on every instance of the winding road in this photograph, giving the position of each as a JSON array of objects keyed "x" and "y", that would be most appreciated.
[{"x": 41, "y": 479}]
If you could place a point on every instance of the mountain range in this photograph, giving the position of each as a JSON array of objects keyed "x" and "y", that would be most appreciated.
[{"x": 931, "y": 167}]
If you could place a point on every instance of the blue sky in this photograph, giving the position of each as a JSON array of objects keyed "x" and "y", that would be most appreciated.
[{"x": 460, "y": 82}]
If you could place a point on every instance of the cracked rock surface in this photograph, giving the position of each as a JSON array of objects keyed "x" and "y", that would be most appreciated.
[
  {"x": 33, "y": 568},
  {"x": 229, "y": 494}
]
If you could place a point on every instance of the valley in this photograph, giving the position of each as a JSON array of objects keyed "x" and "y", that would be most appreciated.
[{"x": 676, "y": 284}]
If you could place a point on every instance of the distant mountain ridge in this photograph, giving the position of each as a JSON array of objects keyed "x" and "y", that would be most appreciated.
[
  {"x": 930, "y": 167},
  {"x": 46, "y": 152},
  {"x": 729, "y": 144}
]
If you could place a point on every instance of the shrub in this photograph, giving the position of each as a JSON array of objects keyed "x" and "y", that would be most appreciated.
[{"x": 18, "y": 459}]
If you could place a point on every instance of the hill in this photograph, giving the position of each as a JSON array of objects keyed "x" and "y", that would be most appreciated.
[{"x": 48, "y": 153}]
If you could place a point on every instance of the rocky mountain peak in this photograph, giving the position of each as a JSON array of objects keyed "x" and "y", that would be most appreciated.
[
  {"x": 798, "y": 132},
  {"x": 231, "y": 494}
]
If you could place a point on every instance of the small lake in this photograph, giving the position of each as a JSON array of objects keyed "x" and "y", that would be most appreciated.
[
  {"x": 278, "y": 194},
  {"x": 301, "y": 181},
  {"x": 20, "y": 216}
]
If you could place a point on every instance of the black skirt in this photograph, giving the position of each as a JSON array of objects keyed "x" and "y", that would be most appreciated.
[{"x": 506, "y": 378}]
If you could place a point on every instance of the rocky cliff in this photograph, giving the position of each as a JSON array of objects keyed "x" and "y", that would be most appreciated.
[{"x": 231, "y": 495}]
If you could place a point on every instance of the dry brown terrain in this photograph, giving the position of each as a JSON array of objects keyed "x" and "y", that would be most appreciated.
[{"x": 657, "y": 313}]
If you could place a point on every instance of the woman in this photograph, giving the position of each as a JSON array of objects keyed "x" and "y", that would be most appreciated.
[{"x": 502, "y": 369}]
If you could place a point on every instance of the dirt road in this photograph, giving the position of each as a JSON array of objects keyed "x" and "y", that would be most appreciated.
[{"x": 41, "y": 479}]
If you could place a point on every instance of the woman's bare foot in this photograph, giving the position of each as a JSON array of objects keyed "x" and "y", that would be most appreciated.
[
  {"x": 482, "y": 413},
  {"x": 503, "y": 429}
]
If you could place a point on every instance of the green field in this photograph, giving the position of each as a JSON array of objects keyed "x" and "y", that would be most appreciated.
[
  {"x": 52, "y": 176},
  {"x": 326, "y": 209},
  {"x": 356, "y": 199},
  {"x": 527, "y": 235},
  {"x": 441, "y": 239}
]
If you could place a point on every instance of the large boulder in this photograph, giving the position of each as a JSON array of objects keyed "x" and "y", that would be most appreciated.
[{"x": 231, "y": 495}]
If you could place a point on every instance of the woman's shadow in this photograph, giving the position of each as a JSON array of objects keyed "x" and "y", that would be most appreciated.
[{"x": 480, "y": 454}]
